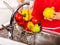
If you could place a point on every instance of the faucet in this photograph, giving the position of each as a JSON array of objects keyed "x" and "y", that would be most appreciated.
[{"x": 11, "y": 26}]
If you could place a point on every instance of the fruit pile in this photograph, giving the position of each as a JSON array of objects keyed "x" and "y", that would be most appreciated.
[{"x": 27, "y": 21}]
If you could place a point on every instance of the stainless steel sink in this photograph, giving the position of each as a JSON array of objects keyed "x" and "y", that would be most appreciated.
[
  {"x": 42, "y": 38},
  {"x": 4, "y": 41}
]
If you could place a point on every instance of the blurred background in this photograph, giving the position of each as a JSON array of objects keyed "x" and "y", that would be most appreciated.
[{"x": 5, "y": 13}]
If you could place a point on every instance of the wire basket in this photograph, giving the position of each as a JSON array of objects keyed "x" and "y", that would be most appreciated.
[{"x": 27, "y": 37}]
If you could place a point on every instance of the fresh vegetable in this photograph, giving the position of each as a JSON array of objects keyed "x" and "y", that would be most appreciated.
[
  {"x": 35, "y": 20},
  {"x": 21, "y": 23},
  {"x": 48, "y": 12},
  {"x": 30, "y": 15},
  {"x": 25, "y": 14},
  {"x": 30, "y": 25},
  {"x": 36, "y": 28},
  {"x": 18, "y": 17}
]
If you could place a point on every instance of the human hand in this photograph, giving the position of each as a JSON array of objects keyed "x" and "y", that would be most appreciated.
[
  {"x": 50, "y": 19},
  {"x": 57, "y": 16},
  {"x": 48, "y": 13}
]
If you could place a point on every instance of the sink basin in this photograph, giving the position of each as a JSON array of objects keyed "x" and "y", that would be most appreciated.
[{"x": 4, "y": 41}]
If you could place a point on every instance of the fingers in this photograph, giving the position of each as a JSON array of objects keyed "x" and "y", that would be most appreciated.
[
  {"x": 50, "y": 19},
  {"x": 56, "y": 13},
  {"x": 54, "y": 17}
]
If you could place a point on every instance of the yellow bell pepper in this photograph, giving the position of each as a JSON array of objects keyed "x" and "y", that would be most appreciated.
[
  {"x": 30, "y": 14},
  {"x": 48, "y": 12},
  {"x": 30, "y": 25},
  {"x": 36, "y": 28},
  {"x": 25, "y": 14}
]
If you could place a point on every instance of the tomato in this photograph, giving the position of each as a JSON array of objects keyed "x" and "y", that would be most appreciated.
[
  {"x": 21, "y": 23},
  {"x": 18, "y": 17},
  {"x": 35, "y": 20}
]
